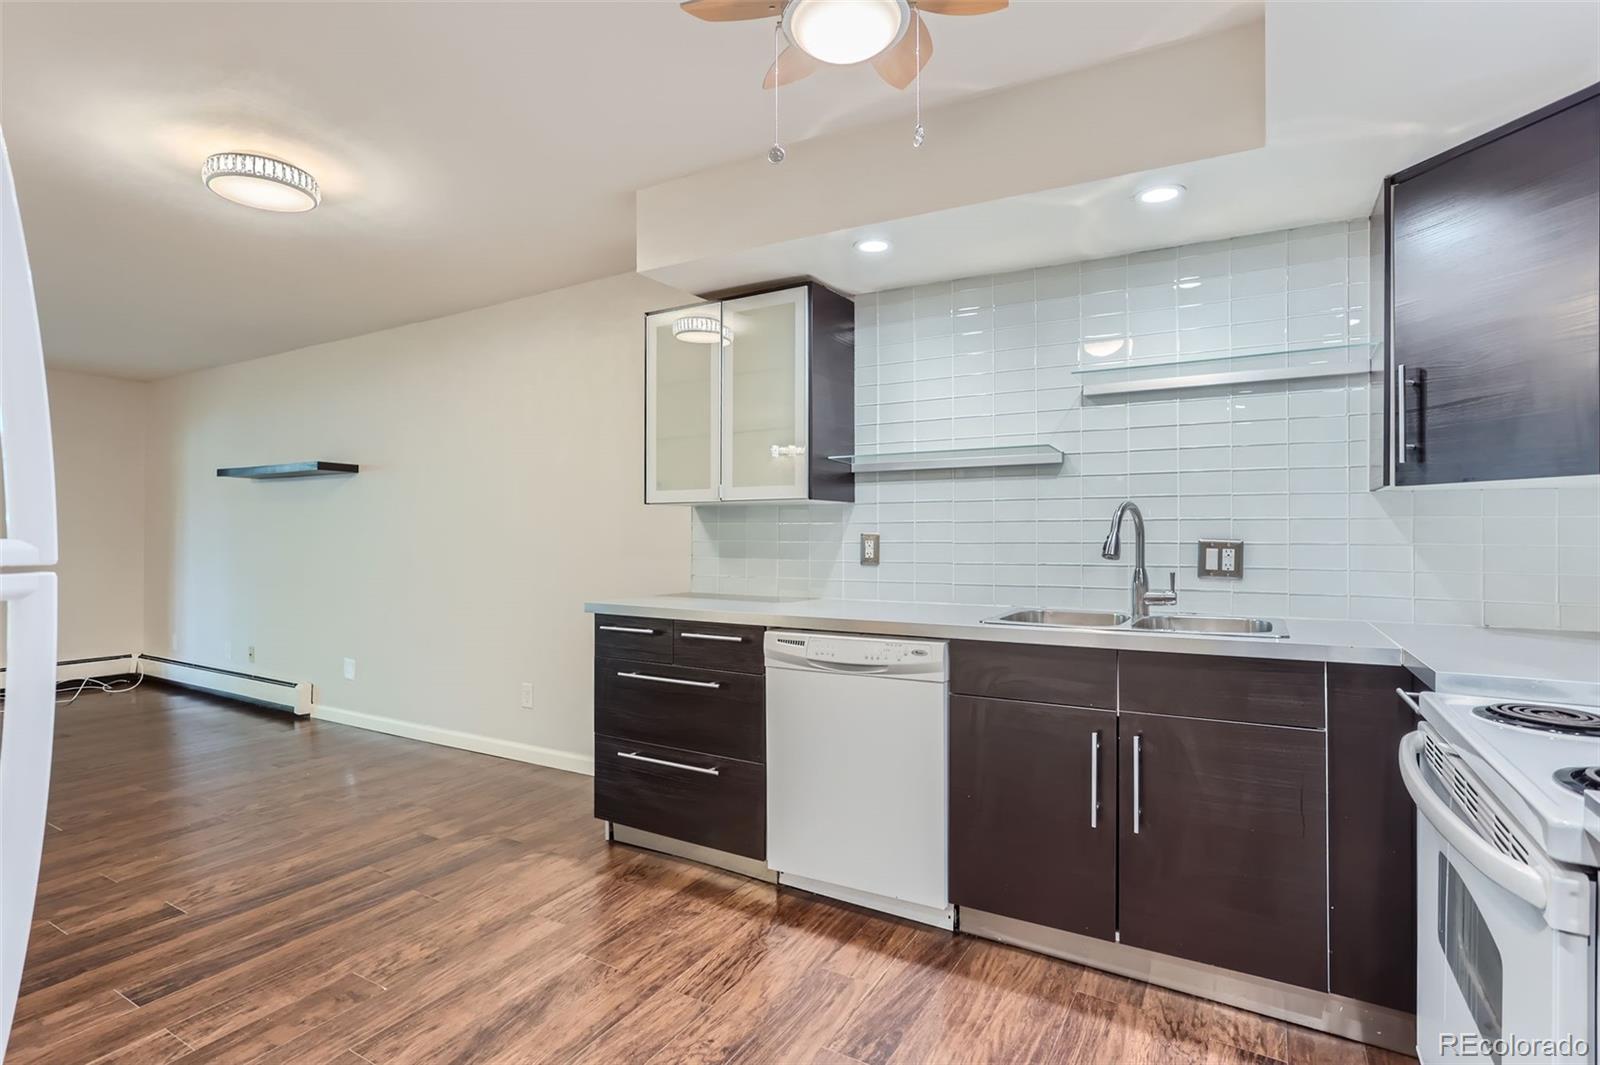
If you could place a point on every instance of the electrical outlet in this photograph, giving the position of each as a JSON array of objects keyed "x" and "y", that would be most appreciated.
[
  {"x": 349, "y": 669},
  {"x": 1221, "y": 558},
  {"x": 527, "y": 695},
  {"x": 869, "y": 549},
  {"x": 250, "y": 652}
]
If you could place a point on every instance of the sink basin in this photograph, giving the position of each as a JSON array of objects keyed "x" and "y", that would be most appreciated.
[
  {"x": 1204, "y": 626},
  {"x": 1066, "y": 619}
]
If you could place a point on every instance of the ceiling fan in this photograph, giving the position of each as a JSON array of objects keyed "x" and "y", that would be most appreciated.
[{"x": 890, "y": 33}]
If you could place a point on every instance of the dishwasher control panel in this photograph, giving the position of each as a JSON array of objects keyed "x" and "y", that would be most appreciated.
[{"x": 863, "y": 654}]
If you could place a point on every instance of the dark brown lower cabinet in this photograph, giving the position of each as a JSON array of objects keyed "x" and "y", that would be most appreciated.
[
  {"x": 1223, "y": 845},
  {"x": 1372, "y": 838},
  {"x": 714, "y": 801},
  {"x": 1033, "y": 819}
]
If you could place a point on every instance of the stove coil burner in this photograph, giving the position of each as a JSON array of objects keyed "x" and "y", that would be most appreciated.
[
  {"x": 1562, "y": 719},
  {"x": 1583, "y": 778}
]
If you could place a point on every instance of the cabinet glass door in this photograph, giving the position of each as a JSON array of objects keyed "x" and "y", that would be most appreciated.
[
  {"x": 764, "y": 438},
  {"x": 683, "y": 355}
]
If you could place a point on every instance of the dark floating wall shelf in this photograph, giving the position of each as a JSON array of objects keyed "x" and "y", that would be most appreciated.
[{"x": 289, "y": 469}]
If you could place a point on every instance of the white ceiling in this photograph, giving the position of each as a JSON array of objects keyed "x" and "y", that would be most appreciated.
[
  {"x": 1354, "y": 91},
  {"x": 468, "y": 153}
]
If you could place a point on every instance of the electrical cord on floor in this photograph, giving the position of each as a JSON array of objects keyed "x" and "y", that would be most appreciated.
[{"x": 108, "y": 687}]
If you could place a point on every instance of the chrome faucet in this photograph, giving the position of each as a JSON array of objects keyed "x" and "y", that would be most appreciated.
[{"x": 1143, "y": 597}]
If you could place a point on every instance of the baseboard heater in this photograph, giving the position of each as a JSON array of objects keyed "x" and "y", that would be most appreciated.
[
  {"x": 246, "y": 687},
  {"x": 98, "y": 667}
]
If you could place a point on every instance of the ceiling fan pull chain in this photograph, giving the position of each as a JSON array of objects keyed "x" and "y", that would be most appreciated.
[
  {"x": 776, "y": 153},
  {"x": 918, "y": 133}
]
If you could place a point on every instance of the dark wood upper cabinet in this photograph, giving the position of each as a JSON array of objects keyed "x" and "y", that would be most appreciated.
[
  {"x": 1372, "y": 844},
  {"x": 1033, "y": 819},
  {"x": 746, "y": 398},
  {"x": 1222, "y": 854},
  {"x": 1493, "y": 304}
]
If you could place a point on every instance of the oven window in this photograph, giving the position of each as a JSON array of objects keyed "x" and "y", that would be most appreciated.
[{"x": 1470, "y": 950}]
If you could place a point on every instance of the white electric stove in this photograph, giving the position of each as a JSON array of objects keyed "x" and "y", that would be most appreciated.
[{"x": 1508, "y": 841}]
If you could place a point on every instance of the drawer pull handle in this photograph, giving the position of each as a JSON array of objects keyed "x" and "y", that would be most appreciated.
[
  {"x": 711, "y": 636},
  {"x": 628, "y": 628},
  {"x": 637, "y": 757},
  {"x": 672, "y": 680}
]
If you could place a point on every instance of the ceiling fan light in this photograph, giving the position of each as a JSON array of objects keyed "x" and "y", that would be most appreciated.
[
  {"x": 701, "y": 329},
  {"x": 845, "y": 31},
  {"x": 260, "y": 181}
]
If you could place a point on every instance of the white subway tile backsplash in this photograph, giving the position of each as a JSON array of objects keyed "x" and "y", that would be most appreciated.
[{"x": 1282, "y": 466}]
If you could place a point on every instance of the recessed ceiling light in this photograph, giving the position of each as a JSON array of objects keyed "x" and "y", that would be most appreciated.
[
  {"x": 701, "y": 329},
  {"x": 1159, "y": 194},
  {"x": 872, "y": 246},
  {"x": 845, "y": 32},
  {"x": 261, "y": 182}
]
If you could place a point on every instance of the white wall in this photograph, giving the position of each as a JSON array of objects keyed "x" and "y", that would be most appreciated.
[
  {"x": 1282, "y": 466},
  {"x": 98, "y": 425},
  {"x": 500, "y": 487}
]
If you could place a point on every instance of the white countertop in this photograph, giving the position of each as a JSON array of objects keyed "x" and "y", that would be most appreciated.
[{"x": 1552, "y": 666}]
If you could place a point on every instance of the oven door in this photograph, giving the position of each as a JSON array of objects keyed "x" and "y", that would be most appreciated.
[{"x": 1497, "y": 981}]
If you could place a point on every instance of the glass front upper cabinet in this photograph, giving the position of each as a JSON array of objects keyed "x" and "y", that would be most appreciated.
[
  {"x": 683, "y": 387},
  {"x": 746, "y": 398}
]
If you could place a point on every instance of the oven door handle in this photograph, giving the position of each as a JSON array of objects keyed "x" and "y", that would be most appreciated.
[{"x": 1522, "y": 881}]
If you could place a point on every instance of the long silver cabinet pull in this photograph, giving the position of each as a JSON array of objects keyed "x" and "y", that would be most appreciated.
[
  {"x": 1409, "y": 699},
  {"x": 627, "y": 628},
  {"x": 1094, "y": 780},
  {"x": 637, "y": 757},
  {"x": 1400, "y": 413},
  {"x": 672, "y": 680},
  {"x": 711, "y": 636},
  {"x": 1138, "y": 769}
]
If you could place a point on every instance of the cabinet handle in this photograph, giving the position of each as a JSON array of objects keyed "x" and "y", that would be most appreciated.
[
  {"x": 1399, "y": 414},
  {"x": 1094, "y": 780},
  {"x": 1401, "y": 383},
  {"x": 1410, "y": 699},
  {"x": 672, "y": 680},
  {"x": 637, "y": 757},
  {"x": 711, "y": 636},
  {"x": 1138, "y": 781},
  {"x": 627, "y": 628}
]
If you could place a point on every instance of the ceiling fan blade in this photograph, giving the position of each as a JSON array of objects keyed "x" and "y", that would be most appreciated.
[
  {"x": 962, "y": 7},
  {"x": 731, "y": 10},
  {"x": 792, "y": 64},
  {"x": 898, "y": 66}
]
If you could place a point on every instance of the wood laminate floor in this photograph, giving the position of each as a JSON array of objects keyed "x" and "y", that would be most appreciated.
[{"x": 232, "y": 885}]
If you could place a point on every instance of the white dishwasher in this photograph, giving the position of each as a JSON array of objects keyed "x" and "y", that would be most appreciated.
[{"x": 857, "y": 790}]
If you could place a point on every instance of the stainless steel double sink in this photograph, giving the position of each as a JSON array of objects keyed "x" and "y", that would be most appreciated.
[{"x": 1187, "y": 624}]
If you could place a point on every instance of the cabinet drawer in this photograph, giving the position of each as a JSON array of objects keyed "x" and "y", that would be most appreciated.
[
  {"x": 639, "y": 639},
  {"x": 733, "y": 648},
  {"x": 1071, "y": 676},
  {"x": 687, "y": 709},
  {"x": 715, "y": 802},
  {"x": 1262, "y": 691}
]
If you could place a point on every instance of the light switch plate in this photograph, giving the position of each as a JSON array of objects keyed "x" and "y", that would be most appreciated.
[
  {"x": 869, "y": 549},
  {"x": 1221, "y": 558}
]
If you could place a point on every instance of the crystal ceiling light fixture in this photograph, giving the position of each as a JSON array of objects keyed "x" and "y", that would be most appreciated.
[
  {"x": 261, "y": 182},
  {"x": 701, "y": 329}
]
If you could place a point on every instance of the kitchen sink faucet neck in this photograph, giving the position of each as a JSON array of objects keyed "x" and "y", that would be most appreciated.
[{"x": 1142, "y": 597}]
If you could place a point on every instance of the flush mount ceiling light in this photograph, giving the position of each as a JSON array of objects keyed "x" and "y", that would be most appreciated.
[
  {"x": 1159, "y": 194},
  {"x": 701, "y": 329},
  {"x": 261, "y": 182},
  {"x": 872, "y": 246}
]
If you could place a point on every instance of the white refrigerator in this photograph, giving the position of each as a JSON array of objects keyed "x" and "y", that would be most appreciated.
[{"x": 28, "y": 592}]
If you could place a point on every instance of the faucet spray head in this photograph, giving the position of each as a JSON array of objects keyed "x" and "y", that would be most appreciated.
[{"x": 1112, "y": 548}]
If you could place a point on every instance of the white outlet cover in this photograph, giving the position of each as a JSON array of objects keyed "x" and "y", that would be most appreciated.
[
  {"x": 527, "y": 695},
  {"x": 349, "y": 669}
]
